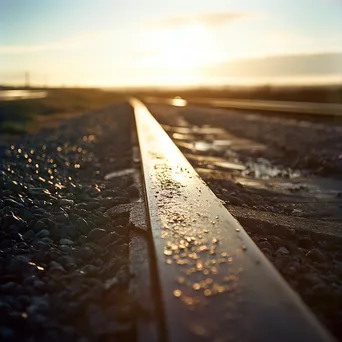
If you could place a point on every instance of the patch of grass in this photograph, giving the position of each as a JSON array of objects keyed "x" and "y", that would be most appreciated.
[
  {"x": 15, "y": 128},
  {"x": 16, "y": 116}
]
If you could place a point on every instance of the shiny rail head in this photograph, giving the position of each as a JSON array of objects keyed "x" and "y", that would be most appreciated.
[
  {"x": 309, "y": 108},
  {"x": 215, "y": 283}
]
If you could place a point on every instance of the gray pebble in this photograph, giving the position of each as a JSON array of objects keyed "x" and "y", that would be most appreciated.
[
  {"x": 56, "y": 268},
  {"x": 282, "y": 251},
  {"x": 65, "y": 202},
  {"x": 316, "y": 255},
  {"x": 42, "y": 233},
  {"x": 82, "y": 225},
  {"x": 65, "y": 241},
  {"x": 96, "y": 234},
  {"x": 92, "y": 205},
  {"x": 40, "y": 225},
  {"x": 265, "y": 244},
  {"x": 133, "y": 191}
]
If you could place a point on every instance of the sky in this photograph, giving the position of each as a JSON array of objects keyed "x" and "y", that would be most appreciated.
[{"x": 179, "y": 42}]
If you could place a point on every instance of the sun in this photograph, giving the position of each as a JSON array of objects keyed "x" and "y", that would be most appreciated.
[{"x": 178, "y": 53}]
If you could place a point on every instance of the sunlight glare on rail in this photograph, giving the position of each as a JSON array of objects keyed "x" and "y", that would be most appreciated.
[{"x": 179, "y": 102}]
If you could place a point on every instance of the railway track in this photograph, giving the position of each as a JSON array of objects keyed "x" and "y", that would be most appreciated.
[
  {"x": 107, "y": 236},
  {"x": 310, "y": 108},
  {"x": 213, "y": 282}
]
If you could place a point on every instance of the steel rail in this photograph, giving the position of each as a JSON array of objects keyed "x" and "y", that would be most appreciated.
[
  {"x": 215, "y": 284},
  {"x": 311, "y": 108}
]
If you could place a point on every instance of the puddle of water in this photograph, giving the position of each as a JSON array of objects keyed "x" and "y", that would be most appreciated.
[
  {"x": 202, "y": 146},
  {"x": 180, "y": 136},
  {"x": 221, "y": 143},
  {"x": 320, "y": 188},
  {"x": 208, "y": 130},
  {"x": 177, "y": 129},
  {"x": 178, "y": 102},
  {"x": 21, "y": 94},
  {"x": 119, "y": 173},
  {"x": 229, "y": 166}
]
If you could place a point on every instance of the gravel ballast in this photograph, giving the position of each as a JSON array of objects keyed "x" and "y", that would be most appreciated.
[{"x": 64, "y": 260}]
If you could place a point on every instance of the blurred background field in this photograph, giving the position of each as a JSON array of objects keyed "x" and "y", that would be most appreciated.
[
  {"x": 24, "y": 115},
  {"x": 27, "y": 115}
]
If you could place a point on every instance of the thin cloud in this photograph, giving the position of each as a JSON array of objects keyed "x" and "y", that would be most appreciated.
[
  {"x": 315, "y": 64},
  {"x": 68, "y": 43},
  {"x": 207, "y": 19}
]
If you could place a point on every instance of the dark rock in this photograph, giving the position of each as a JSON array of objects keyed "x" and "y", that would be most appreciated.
[
  {"x": 15, "y": 236},
  {"x": 120, "y": 210},
  {"x": 62, "y": 218},
  {"x": 82, "y": 226},
  {"x": 96, "y": 234},
  {"x": 66, "y": 241},
  {"x": 92, "y": 205},
  {"x": 316, "y": 255},
  {"x": 305, "y": 242},
  {"x": 90, "y": 270},
  {"x": 109, "y": 238},
  {"x": 133, "y": 191},
  {"x": 265, "y": 244},
  {"x": 97, "y": 320},
  {"x": 12, "y": 203},
  {"x": 42, "y": 233},
  {"x": 25, "y": 214},
  {"x": 20, "y": 267},
  {"x": 282, "y": 251},
  {"x": 234, "y": 200},
  {"x": 65, "y": 202},
  {"x": 6, "y": 334},
  {"x": 29, "y": 235},
  {"x": 40, "y": 225},
  {"x": 9, "y": 287},
  {"x": 55, "y": 268},
  {"x": 46, "y": 240}
]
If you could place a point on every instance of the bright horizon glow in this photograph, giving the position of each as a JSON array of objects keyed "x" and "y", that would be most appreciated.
[{"x": 185, "y": 43}]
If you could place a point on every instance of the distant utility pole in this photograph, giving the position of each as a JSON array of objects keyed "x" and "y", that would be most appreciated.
[{"x": 27, "y": 79}]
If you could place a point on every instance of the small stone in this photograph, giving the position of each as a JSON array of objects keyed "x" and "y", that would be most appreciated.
[
  {"x": 12, "y": 203},
  {"x": 120, "y": 210},
  {"x": 56, "y": 268},
  {"x": 9, "y": 287},
  {"x": 282, "y": 251},
  {"x": 96, "y": 234},
  {"x": 305, "y": 242},
  {"x": 20, "y": 267},
  {"x": 235, "y": 201},
  {"x": 66, "y": 241},
  {"x": 40, "y": 225},
  {"x": 65, "y": 248},
  {"x": 109, "y": 238},
  {"x": 92, "y": 205},
  {"x": 29, "y": 235},
  {"x": 82, "y": 226},
  {"x": 6, "y": 334},
  {"x": 65, "y": 202},
  {"x": 265, "y": 244},
  {"x": 97, "y": 320},
  {"x": 133, "y": 191},
  {"x": 62, "y": 218},
  {"x": 316, "y": 255},
  {"x": 46, "y": 240},
  {"x": 42, "y": 233},
  {"x": 90, "y": 270}
]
